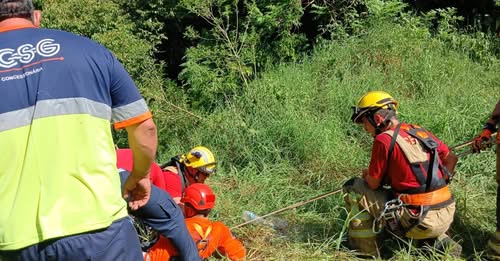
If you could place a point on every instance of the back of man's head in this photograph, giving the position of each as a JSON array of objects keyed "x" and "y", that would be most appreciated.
[{"x": 15, "y": 8}]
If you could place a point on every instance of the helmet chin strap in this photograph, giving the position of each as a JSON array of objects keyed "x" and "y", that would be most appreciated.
[{"x": 189, "y": 211}]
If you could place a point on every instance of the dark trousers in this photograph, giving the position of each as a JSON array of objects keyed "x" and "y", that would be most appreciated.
[
  {"x": 117, "y": 242},
  {"x": 163, "y": 215}
]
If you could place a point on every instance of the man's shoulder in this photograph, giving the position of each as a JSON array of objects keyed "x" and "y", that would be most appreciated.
[
  {"x": 384, "y": 137},
  {"x": 403, "y": 131},
  {"x": 220, "y": 225},
  {"x": 197, "y": 220},
  {"x": 170, "y": 171}
]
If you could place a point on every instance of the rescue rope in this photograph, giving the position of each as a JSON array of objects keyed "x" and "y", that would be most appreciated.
[
  {"x": 468, "y": 143},
  {"x": 289, "y": 207}
]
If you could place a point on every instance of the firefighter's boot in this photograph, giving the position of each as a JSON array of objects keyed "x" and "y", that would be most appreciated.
[{"x": 361, "y": 235}]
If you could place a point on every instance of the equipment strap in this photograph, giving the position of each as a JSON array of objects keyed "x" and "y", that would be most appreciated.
[
  {"x": 393, "y": 142},
  {"x": 181, "y": 174},
  {"x": 391, "y": 149},
  {"x": 432, "y": 198},
  {"x": 203, "y": 242},
  {"x": 175, "y": 163},
  {"x": 425, "y": 171},
  {"x": 433, "y": 181}
]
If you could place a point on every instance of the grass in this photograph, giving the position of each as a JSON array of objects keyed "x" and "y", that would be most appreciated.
[{"x": 290, "y": 138}]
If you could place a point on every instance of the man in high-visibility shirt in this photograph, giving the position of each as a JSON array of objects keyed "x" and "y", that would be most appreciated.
[{"x": 59, "y": 187}]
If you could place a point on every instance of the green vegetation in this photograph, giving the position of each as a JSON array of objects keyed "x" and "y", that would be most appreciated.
[
  {"x": 289, "y": 138},
  {"x": 277, "y": 114}
]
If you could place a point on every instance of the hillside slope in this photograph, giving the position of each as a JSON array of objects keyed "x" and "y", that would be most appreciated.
[{"x": 290, "y": 138}]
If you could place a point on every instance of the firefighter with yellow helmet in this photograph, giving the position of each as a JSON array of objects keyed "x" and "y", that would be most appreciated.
[
  {"x": 192, "y": 167},
  {"x": 405, "y": 188}
]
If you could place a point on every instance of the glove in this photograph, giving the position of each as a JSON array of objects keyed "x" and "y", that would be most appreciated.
[{"x": 478, "y": 142}]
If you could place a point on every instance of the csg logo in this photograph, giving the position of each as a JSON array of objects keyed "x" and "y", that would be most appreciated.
[{"x": 25, "y": 53}]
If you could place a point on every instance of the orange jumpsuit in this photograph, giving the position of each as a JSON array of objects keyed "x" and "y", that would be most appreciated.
[{"x": 212, "y": 238}]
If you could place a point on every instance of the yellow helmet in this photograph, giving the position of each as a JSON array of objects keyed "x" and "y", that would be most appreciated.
[
  {"x": 200, "y": 158},
  {"x": 373, "y": 101}
]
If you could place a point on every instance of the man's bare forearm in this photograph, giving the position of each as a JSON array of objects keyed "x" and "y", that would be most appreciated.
[{"x": 143, "y": 141}]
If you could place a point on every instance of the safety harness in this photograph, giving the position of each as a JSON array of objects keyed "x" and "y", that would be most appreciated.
[
  {"x": 175, "y": 166},
  {"x": 202, "y": 243},
  {"x": 433, "y": 191}
]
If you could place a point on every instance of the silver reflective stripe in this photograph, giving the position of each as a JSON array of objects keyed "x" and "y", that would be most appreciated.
[
  {"x": 129, "y": 111},
  {"x": 56, "y": 107},
  {"x": 65, "y": 106},
  {"x": 361, "y": 233},
  {"x": 15, "y": 119}
]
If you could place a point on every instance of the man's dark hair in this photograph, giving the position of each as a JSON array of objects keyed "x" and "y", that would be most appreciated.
[{"x": 15, "y": 8}]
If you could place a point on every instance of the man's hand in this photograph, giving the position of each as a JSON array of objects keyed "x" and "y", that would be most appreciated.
[
  {"x": 137, "y": 191},
  {"x": 481, "y": 142}
]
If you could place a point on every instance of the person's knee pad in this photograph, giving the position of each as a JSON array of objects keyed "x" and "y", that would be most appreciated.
[
  {"x": 352, "y": 200},
  {"x": 361, "y": 235}
]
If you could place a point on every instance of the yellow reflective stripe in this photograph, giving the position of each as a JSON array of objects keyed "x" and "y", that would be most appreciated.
[
  {"x": 362, "y": 233},
  {"x": 199, "y": 230},
  {"x": 209, "y": 229},
  {"x": 59, "y": 178},
  {"x": 353, "y": 199}
]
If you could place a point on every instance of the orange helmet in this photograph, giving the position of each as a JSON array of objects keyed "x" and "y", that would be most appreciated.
[{"x": 199, "y": 196}]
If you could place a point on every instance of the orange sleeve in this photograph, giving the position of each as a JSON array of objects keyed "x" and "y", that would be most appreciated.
[
  {"x": 132, "y": 121},
  {"x": 229, "y": 245},
  {"x": 161, "y": 251}
]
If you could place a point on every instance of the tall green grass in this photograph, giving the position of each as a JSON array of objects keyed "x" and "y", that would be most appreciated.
[{"x": 290, "y": 138}]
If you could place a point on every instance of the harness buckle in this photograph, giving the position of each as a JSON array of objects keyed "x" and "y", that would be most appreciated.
[{"x": 388, "y": 216}]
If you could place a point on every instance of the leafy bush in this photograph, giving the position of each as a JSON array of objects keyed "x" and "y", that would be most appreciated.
[
  {"x": 106, "y": 23},
  {"x": 240, "y": 39}
]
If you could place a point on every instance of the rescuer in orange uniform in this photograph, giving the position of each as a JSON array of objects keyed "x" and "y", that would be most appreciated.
[{"x": 212, "y": 238}]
